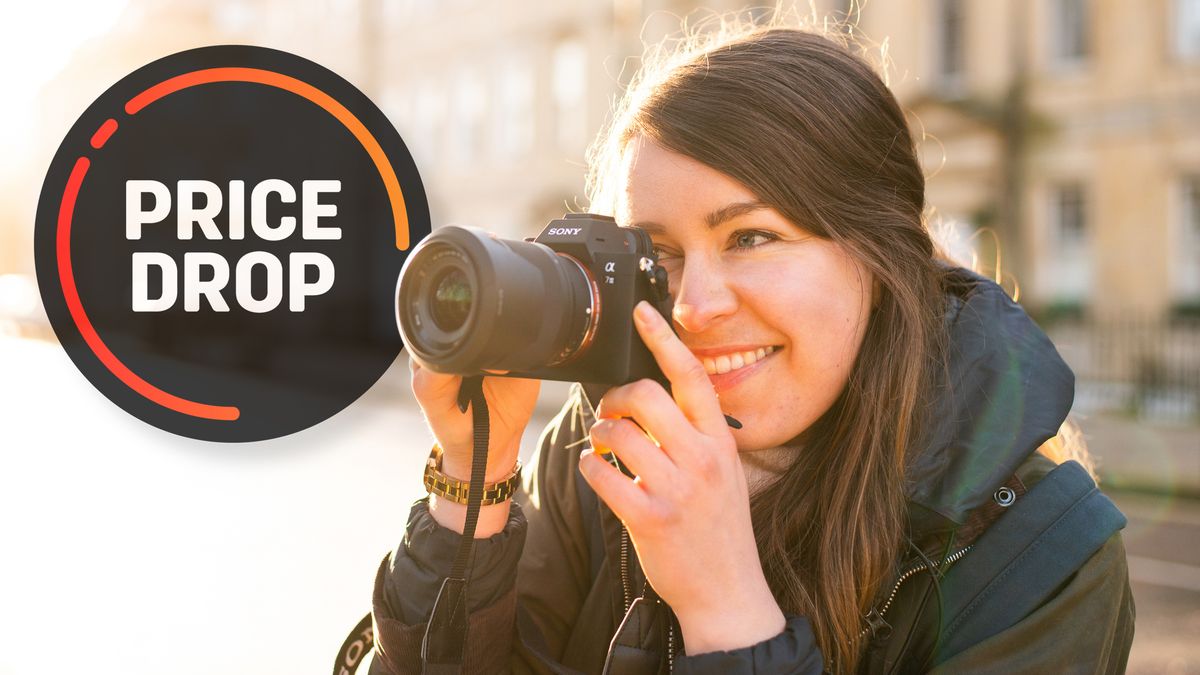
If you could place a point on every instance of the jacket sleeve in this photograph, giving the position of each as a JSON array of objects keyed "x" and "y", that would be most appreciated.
[
  {"x": 1087, "y": 627},
  {"x": 792, "y": 652},
  {"x": 553, "y": 573},
  {"x": 409, "y": 579}
]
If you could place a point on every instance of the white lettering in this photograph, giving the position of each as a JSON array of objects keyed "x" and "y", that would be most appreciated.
[
  {"x": 258, "y": 209},
  {"x": 298, "y": 263},
  {"x": 237, "y": 210},
  {"x": 274, "y": 295},
  {"x": 135, "y": 217},
  {"x": 204, "y": 216},
  {"x": 207, "y": 273},
  {"x": 142, "y": 260},
  {"x": 190, "y": 214},
  {"x": 312, "y": 209},
  {"x": 194, "y": 287}
]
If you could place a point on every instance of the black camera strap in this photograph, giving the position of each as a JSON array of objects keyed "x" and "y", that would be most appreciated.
[{"x": 445, "y": 641}]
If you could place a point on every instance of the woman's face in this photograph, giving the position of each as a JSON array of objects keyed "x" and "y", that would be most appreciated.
[{"x": 775, "y": 313}]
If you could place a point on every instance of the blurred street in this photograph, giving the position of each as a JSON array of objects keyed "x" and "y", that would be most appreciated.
[
  {"x": 179, "y": 530},
  {"x": 1162, "y": 541}
]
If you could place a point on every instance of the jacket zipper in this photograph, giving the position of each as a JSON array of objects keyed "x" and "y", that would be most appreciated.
[
  {"x": 626, "y": 587},
  {"x": 910, "y": 573},
  {"x": 670, "y": 643}
]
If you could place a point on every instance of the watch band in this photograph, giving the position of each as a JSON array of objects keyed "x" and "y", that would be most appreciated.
[{"x": 457, "y": 490}]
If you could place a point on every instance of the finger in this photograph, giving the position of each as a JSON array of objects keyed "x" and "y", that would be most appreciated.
[
  {"x": 690, "y": 386},
  {"x": 653, "y": 408},
  {"x": 634, "y": 449},
  {"x": 626, "y": 498}
]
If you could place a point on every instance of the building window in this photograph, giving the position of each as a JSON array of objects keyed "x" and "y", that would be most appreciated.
[
  {"x": 950, "y": 53},
  {"x": 512, "y": 118},
  {"x": 569, "y": 80},
  {"x": 1067, "y": 270},
  {"x": 1069, "y": 216},
  {"x": 429, "y": 113},
  {"x": 1069, "y": 24},
  {"x": 1191, "y": 206},
  {"x": 1186, "y": 241},
  {"x": 466, "y": 118},
  {"x": 1186, "y": 29}
]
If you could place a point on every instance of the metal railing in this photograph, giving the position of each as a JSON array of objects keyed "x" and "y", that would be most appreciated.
[{"x": 1133, "y": 364}]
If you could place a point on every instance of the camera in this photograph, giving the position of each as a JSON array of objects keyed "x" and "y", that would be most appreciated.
[{"x": 558, "y": 306}]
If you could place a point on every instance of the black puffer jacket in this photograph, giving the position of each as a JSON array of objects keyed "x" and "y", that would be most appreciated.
[{"x": 548, "y": 594}]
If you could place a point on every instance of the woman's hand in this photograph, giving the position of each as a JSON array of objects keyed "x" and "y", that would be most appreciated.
[
  {"x": 688, "y": 511},
  {"x": 510, "y": 406}
]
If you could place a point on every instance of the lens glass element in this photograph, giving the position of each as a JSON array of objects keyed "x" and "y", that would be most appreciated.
[{"x": 451, "y": 299}]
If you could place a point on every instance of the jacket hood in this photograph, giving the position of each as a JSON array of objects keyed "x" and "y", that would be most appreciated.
[{"x": 1006, "y": 392}]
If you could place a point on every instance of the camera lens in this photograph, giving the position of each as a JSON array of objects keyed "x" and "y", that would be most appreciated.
[
  {"x": 451, "y": 301},
  {"x": 469, "y": 302}
]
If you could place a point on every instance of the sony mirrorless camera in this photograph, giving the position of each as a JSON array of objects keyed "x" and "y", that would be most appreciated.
[{"x": 558, "y": 306}]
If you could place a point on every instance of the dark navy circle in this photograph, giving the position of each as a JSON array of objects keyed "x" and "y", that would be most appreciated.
[{"x": 277, "y": 140}]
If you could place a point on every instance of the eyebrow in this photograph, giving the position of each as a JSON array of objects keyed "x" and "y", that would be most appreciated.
[{"x": 714, "y": 219}]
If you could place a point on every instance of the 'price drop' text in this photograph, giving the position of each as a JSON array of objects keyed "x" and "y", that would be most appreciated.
[{"x": 207, "y": 274}]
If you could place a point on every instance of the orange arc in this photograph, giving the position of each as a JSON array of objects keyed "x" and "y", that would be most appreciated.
[{"x": 304, "y": 90}]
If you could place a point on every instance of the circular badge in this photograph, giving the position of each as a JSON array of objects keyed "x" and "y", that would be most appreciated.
[{"x": 218, "y": 240}]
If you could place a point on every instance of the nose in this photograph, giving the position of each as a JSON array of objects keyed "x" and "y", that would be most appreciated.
[{"x": 703, "y": 296}]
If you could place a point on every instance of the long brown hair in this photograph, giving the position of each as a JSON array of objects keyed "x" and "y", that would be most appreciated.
[{"x": 813, "y": 131}]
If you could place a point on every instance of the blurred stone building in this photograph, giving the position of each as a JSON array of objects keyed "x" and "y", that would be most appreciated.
[{"x": 1069, "y": 128}]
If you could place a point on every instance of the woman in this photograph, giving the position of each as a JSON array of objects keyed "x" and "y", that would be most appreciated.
[{"x": 891, "y": 410}]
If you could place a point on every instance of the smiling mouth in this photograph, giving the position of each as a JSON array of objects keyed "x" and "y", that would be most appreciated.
[{"x": 725, "y": 363}]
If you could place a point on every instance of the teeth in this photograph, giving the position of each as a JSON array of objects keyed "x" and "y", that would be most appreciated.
[{"x": 727, "y": 362}]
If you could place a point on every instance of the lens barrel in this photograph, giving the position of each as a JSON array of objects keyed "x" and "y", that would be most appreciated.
[{"x": 468, "y": 302}]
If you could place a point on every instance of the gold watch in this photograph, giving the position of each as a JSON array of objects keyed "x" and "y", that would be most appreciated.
[{"x": 457, "y": 490}]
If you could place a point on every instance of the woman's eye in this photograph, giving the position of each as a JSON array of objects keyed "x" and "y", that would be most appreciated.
[
  {"x": 752, "y": 238},
  {"x": 661, "y": 253}
]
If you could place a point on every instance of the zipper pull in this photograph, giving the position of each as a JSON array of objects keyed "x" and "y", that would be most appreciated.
[{"x": 879, "y": 628}]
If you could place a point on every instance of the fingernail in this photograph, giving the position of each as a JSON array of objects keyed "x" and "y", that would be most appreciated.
[
  {"x": 583, "y": 463},
  {"x": 644, "y": 311}
]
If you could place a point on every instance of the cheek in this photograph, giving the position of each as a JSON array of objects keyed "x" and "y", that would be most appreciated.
[
  {"x": 830, "y": 325},
  {"x": 820, "y": 308},
  {"x": 820, "y": 304}
]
